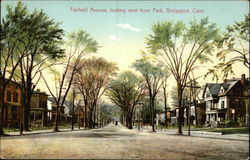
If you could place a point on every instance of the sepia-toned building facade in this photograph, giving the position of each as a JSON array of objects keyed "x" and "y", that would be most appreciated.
[
  {"x": 12, "y": 105},
  {"x": 226, "y": 101}
]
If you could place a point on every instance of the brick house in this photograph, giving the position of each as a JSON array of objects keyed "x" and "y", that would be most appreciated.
[
  {"x": 12, "y": 105},
  {"x": 226, "y": 101}
]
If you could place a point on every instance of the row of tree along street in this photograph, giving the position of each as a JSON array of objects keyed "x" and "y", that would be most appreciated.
[{"x": 32, "y": 46}]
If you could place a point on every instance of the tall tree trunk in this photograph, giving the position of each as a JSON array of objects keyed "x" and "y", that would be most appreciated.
[
  {"x": 90, "y": 125},
  {"x": 180, "y": 113},
  {"x": 28, "y": 94},
  {"x": 73, "y": 110},
  {"x": 165, "y": 105},
  {"x": 73, "y": 116},
  {"x": 85, "y": 116},
  {"x": 129, "y": 121},
  {"x": 94, "y": 120},
  {"x": 152, "y": 113},
  {"x": 57, "y": 118},
  {"x": 2, "y": 91},
  {"x": 78, "y": 119},
  {"x": 21, "y": 122},
  {"x": 186, "y": 105}
]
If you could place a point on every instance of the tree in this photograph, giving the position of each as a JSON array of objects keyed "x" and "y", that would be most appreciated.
[
  {"x": 107, "y": 112},
  {"x": 11, "y": 35},
  {"x": 73, "y": 97},
  {"x": 165, "y": 96},
  {"x": 78, "y": 44},
  {"x": 180, "y": 47},
  {"x": 126, "y": 92},
  {"x": 153, "y": 75},
  {"x": 25, "y": 35},
  {"x": 92, "y": 83},
  {"x": 235, "y": 49},
  {"x": 44, "y": 36}
]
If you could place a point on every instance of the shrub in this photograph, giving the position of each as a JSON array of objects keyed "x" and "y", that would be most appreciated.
[
  {"x": 39, "y": 122},
  {"x": 231, "y": 123},
  {"x": 241, "y": 122}
]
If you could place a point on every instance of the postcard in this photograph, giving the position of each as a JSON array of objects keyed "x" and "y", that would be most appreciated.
[{"x": 123, "y": 79}]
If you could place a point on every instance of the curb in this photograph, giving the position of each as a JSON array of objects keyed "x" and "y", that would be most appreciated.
[{"x": 202, "y": 132}]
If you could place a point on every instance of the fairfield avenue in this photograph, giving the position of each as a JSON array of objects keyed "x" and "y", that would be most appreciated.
[{"x": 136, "y": 10}]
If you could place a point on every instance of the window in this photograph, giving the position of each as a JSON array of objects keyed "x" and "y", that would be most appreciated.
[
  {"x": 207, "y": 94},
  {"x": 222, "y": 90},
  {"x": 238, "y": 92},
  {"x": 222, "y": 104},
  {"x": 8, "y": 96},
  {"x": 15, "y": 97},
  {"x": 14, "y": 112}
]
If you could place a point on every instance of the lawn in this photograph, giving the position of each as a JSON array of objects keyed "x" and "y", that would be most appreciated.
[
  {"x": 238, "y": 130},
  {"x": 6, "y": 130},
  {"x": 235, "y": 130}
]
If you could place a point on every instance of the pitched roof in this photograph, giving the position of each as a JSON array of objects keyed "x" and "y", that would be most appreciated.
[
  {"x": 214, "y": 88},
  {"x": 228, "y": 86},
  {"x": 66, "y": 103}
]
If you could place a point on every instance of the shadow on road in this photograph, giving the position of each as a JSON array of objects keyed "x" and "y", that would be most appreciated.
[{"x": 106, "y": 132}]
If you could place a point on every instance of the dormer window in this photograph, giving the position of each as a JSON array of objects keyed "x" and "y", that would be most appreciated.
[
  {"x": 208, "y": 95},
  {"x": 222, "y": 104},
  {"x": 222, "y": 90}
]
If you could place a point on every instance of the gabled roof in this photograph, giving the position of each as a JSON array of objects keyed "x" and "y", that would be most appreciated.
[
  {"x": 66, "y": 103},
  {"x": 214, "y": 89},
  {"x": 228, "y": 86},
  {"x": 38, "y": 92}
]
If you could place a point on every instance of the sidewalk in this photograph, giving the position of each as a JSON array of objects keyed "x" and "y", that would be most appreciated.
[
  {"x": 215, "y": 135},
  {"x": 41, "y": 131},
  {"x": 148, "y": 129}
]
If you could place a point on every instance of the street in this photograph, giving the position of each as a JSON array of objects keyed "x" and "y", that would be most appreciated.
[{"x": 118, "y": 142}]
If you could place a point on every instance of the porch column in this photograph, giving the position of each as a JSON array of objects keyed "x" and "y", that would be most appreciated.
[
  {"x": 217, "y": 114},
  {"x": 42, "y": 118},
  {"x": 34, "y": 117}
]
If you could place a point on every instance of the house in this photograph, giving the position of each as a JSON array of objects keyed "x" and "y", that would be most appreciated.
[
  {"x": 171, "y": 116},
  {"x": 12, "y": 105},
  {"x": 64, "y": 111},
  {"x": 197, "y": 118},
  {"x": 226, "y": 101},
  {"x": 38, "y": 108},
  {"x": 200, "y": 113}
]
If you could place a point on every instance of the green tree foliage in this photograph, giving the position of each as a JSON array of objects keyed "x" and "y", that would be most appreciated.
[
  {"x": 127, "y": 93},
  {"x": 28, "y": 40},
  {"x": 182, "y": 49},
  {"x": 154, "y": 75},
  {"x": 78, "y": 45},
  {"x": 235, "y": 49},
  {"x": 92, "y": 81}
]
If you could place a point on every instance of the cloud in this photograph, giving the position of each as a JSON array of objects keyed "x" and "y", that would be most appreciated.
[
  {"x": 129, "y": 27},
  {"x": 114, "y": 38}
]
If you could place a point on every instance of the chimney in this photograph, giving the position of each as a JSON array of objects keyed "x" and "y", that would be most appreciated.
[
  {"x": 225, "y": 81},
  {"x": 243, "y": 79}
]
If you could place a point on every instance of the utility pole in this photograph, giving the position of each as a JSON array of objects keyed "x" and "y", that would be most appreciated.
[
  {"x": 189, "y": 106},
  {"x": 73, "y": 109}
]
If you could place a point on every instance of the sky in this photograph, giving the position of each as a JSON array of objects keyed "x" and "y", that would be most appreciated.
[{"x": 121, "y": 35}]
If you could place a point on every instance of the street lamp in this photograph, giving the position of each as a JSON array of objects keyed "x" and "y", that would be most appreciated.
[{"x": 233, "y": 112}]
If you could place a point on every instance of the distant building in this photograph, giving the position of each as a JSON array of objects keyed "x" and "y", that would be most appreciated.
[
  {"x": 38, "y": 108},
  {"x": 197, "y": 114},
  {"x": 65, "y": 111},
  {"x": 171, "y": 117},
  {"x": 226, "y": 101}
]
